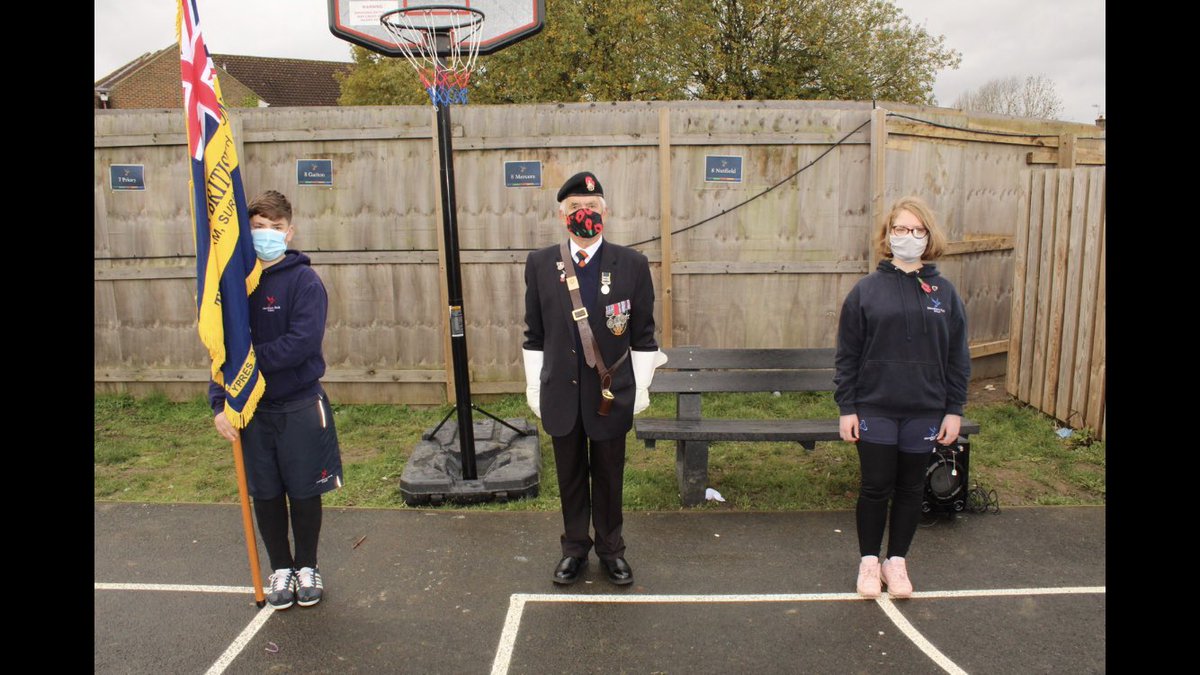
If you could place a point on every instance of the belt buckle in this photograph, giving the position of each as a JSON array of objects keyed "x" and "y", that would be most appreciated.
[{"x": 579, "y": 314}]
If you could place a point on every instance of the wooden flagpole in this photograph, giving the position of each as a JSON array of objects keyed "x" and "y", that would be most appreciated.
[{"x": 248, "y": 523}]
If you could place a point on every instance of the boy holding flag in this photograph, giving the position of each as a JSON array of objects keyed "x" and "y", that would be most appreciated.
[{"x": 290, "y": 445}]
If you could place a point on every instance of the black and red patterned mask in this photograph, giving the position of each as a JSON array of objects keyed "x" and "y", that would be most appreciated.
[{"x": 585, "y": 223}]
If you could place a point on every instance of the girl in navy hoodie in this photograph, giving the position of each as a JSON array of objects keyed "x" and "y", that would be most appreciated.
[{"x": 902, "y": 368}]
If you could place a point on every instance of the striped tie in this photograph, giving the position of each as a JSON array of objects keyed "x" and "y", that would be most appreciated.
[{"x": 582, "y": 255}]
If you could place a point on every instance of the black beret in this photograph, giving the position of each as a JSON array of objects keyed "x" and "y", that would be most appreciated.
[{"x": 582, "y": 183}]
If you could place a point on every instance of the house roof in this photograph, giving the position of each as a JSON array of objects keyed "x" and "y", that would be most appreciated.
[
  {"x": 128, "y": 69},
  {"x": 285, "y": 82},
  {"x": 278, "y": 82}
]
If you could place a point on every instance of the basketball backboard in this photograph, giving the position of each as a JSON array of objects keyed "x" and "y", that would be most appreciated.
[{"x": 505, "y": 21}]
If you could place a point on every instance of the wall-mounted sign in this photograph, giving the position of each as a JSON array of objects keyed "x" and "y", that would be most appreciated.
[
  {"x": 127, "y": 177},
  {"x": 314, "y": 172},
  {"x": 722, "y": 169},
  {"x": 523, "y": 174}
]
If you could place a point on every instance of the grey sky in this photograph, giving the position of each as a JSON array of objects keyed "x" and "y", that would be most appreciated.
[{"x": 1061, "y": 39}]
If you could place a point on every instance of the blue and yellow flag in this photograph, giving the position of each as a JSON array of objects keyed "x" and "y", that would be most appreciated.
[{"x": 227, "y": 270}]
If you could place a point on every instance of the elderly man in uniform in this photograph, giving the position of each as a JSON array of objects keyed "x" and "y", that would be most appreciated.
[{"x": 589, "y": 355}]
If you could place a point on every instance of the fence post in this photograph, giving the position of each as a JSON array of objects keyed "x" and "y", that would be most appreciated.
[
  {"x": 878, "y": 180},
  {"x": 664, "y": 191},
  {"x": 1066, "y": 151}
]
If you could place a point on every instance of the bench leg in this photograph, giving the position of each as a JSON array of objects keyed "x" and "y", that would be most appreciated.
[{"x": 691, "y": 470}]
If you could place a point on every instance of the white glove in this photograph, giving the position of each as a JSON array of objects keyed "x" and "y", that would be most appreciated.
[
  {"x": 533, "y": 380},
  {"x": 644, "y": 364}
]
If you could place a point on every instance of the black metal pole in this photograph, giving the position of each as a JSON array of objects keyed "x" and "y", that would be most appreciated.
[{"x": 458, "y": 333}]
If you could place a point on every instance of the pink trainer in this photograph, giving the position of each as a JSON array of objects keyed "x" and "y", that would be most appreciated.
[
  {"x": 868, "y": 578},
  {"x": 895, "y": 576}
]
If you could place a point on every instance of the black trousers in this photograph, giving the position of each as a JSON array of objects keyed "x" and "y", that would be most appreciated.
[
  {"x": 590, "y": 480},
  {"x": 889, "y": 475}
]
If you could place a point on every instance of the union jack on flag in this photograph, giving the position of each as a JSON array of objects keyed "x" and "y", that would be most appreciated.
[{"x": 227, "y": 269}]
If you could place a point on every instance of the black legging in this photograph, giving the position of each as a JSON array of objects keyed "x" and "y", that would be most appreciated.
[
  {"x": 887, "y": 474},
  {"x": 306, "y": 528}
]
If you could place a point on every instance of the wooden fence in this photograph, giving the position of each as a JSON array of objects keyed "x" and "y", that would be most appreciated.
[
  {"x": 764, "y": 262},
  {"x": 1056, "y": 347}
]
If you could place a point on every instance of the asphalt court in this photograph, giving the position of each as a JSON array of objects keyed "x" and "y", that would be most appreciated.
[{"x": 460, "y": 591}]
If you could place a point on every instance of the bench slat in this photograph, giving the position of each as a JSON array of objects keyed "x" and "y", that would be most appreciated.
[
  {"x": 749, "y": 430},
  {"x": 743, "y": 381},
  {"x": 702, "y": 358}
]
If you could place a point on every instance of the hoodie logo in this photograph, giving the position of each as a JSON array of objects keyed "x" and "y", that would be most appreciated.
[
  {"x": 936, "y": 307},
  {"x": 271, "y": 306}
]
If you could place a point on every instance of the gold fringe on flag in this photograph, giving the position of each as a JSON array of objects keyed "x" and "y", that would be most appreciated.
[{"x": 240, "y": 420}]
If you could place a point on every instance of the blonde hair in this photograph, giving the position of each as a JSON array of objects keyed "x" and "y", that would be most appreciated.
[{"x": 915, "y": 205}]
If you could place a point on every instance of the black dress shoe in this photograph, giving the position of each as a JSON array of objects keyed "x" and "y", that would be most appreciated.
[
  {"x": 568, "y": 570},
  {"x": 618, "y": 571}
]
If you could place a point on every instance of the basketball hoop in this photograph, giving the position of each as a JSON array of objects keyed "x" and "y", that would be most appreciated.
[{"x": 441, "y": 42}]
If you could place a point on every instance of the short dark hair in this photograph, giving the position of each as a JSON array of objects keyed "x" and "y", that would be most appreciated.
[{"x": 273, "y": 205}]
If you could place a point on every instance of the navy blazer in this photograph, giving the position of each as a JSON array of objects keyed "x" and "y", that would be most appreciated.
[{"x": 566, "y": 379}]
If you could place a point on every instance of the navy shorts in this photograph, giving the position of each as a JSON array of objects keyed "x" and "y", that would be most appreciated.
[
  {"x": 292, "y": 447},
  {"x": 912, "y": 434}
]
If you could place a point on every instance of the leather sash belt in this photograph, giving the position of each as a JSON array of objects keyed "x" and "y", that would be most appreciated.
[{"x": 591, "y": 350}]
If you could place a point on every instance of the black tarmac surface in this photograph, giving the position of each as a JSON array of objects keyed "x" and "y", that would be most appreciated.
[{"x": 428, "y": 591}]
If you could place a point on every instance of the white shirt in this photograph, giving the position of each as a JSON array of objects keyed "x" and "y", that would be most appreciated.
[{"x": 591, "y": 250}]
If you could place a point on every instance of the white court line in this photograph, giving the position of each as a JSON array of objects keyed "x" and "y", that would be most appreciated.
[
  {"x": 1064, "y": 590},
  {"x": 512, "y": 623},
  {"x": 915, "y": 635},
  {"x": 241, "y": 641},
  {"x": 562, "y": 597},
  {"x": 173, "y": 587},
  {"x": 517, "y": 601}
]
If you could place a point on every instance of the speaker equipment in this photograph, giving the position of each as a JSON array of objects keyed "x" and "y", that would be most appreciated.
[{"x": 946, "y": 483}]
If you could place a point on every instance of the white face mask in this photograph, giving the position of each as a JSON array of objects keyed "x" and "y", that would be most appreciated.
[{"x": 907, "y": 249}]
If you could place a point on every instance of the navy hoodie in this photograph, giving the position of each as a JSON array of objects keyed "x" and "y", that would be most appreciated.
[
  {"x": 902, "y": 350},
  {"x": 287, "y": 325}
]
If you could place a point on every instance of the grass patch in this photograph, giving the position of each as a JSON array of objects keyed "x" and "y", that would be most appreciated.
[
  {"x": 153, "y": 450},
  {"x": 1019, "y": 455}
]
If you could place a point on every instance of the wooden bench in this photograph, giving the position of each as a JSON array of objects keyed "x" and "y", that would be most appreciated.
[{"x": 692, "y": 371}]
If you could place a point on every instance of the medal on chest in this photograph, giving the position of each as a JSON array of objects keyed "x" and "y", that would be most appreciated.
[
  {"x": 618, "y": 316},
  {"x": 605, "y": 282}
]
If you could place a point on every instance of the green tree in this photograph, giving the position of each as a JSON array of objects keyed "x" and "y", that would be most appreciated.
[
  {"x": 588, "y": 51},
  {"x": 376, "y": 79},
  {"x": 808, "y": 49},
  {"x": 646, "y": 50}
]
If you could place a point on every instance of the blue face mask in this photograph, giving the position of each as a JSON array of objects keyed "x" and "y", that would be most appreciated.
[{"x": 269, "y": 244}]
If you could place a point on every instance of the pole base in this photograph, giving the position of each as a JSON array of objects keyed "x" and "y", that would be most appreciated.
[{"x": 508, "y": 464}]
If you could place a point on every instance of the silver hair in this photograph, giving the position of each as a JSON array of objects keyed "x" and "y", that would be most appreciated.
[{"x": 562, "y": 206}]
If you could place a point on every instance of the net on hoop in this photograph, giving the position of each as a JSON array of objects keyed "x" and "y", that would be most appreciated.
[{"x": 441, "y": 43}]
